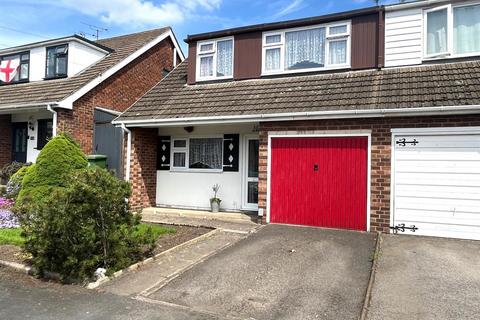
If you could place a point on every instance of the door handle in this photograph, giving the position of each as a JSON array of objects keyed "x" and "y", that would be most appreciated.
[{"x": 315, "y": 167}]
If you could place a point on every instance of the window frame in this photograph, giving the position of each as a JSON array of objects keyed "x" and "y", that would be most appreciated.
[
  {"x": 56, "y": 76},
  {"x": 20, "y": 54},
  {"x": 39, "y": 123},
  {"x": 450, "y": 32},
  {"x": 213, "y": 53},
  {"x": 186, "y": 150},
  {"x": 328, "y": 38}
]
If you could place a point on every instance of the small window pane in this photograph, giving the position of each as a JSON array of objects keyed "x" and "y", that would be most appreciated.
[
  {"x": 338, "y": 30},
  {"x": 206, "y": 66},
  {"x": 206, "y": 153},
  {"x": 338, "y": 52},
  {"x": 206, "y": 47},
  {"x": 253, "y": 158},
  {"x": 273, "y": 39},
  {"x": 61, "y": 65},
  {"x": 305, "y": 49},
  {"x": 180, "y": 143},
  {"x": 224, "y": 58},
  {"x": 437, "y": 22},
  {"x": 252, "y": 196},
  {"x": 24, "y": 71},
  {"x": 466, "y": 29},
  {"x": 25, "y": 57},
  {"x": 272, "y": 59},
  {"x": 179, "y": 159}
]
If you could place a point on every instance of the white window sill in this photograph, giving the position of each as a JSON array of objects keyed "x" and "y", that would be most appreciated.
[
  {"x": 450, "y": 56},
  {"x": 334, "y": 67},
  {"x": 188, "y": 170},
  {"x": 213, "y": 79}
]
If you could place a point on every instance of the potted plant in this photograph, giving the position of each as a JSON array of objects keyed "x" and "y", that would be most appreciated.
[{"x": 215, "y": 201}]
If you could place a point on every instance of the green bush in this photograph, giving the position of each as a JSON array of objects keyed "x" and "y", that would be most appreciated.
[
  {"x": 9, "y": 170},
  {"x": 14, "y": 185},
  {"x": 60, "y": 156},
  {"x": 85, "y": 225}
]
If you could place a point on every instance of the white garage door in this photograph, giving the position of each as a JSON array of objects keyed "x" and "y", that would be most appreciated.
[{"x": 437, "y": 183}]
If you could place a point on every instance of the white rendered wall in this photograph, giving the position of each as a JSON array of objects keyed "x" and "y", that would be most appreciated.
[
  {"x": 32, "y": 117},
  {"x": 403, "y": 37},
  {"x": 190, "y": 189}
]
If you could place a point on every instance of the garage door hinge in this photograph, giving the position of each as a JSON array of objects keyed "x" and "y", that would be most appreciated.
[
  {"x": 403, "y": 142},
  {"x": 401, "y": 227}
]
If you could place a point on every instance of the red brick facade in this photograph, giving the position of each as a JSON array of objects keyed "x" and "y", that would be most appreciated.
[
  {"x": 5, "y": 140},
  {"x": 143, "y": 174},
  {"x": 380, "y": 152},
  {"x": 118, "y": 92}
]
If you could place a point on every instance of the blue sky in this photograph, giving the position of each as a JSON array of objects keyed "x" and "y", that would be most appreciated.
[{"x": 36, "y": 20}]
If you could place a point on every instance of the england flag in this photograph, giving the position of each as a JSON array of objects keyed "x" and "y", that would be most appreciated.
[{"x": 9, "y": 69}]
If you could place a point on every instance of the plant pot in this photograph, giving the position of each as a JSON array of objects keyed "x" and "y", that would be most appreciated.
[{"x": 215, "y": 206}]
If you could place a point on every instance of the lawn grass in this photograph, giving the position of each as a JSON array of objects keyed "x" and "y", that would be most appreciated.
[
  {"x": 156, "y": 229},
  {"x": 11, "y": 236}
]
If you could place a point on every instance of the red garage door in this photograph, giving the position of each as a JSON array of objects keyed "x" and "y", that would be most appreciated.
[{"x": 319, "y": 182}]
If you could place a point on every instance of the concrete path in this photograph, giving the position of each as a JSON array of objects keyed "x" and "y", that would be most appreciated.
[
  {"x": 280, "y": 272},
  {"x": 167, "y": 266},
  {"x": 426, "y": 278},
  {"x": 24, "y": 297},
  {"x": 201, "y": 220}
]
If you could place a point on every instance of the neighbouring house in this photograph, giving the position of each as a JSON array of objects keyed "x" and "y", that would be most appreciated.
[
  {"x": 363, "y": 120},
  {"x": 75, "y": 85}
]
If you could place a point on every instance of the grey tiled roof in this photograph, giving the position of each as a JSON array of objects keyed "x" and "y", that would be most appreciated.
[
  {"x": 59, "y": 89},
  {"x": 449, "y": 84}
]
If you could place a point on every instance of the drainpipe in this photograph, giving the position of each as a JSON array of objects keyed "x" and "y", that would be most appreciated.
[
  {"x": 54, "y": 126},
  {"x": 129, "y": 150}
]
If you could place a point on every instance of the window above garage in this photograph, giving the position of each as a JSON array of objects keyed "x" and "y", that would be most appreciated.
[
  {"x": 215, "y": 59},
  {"x": 452, "y": 31}
]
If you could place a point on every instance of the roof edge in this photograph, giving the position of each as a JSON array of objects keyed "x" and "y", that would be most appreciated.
[
  {"x": 284, "y": 24},
  {"x": 309, "y": 115}
]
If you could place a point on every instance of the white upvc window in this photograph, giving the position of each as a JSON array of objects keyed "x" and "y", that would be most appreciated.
[
  {"x": 215, "y": 59},
  {"x": 307, "y": 49},
  {"x": 197, "y": 154},
  {"x": 452, "y": 31}
]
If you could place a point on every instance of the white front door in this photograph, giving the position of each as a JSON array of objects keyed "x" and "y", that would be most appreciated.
[
  {"x": 250, "y": 186},
  {"x": 436, "y": 183}
]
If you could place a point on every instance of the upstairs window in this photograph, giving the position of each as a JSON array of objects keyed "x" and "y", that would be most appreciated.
[
  {"x": 215, "y": 59},
  {"x": 452, "y": 31},
  {"x": 57, "y": 61},
  {"x": 307, "y": 49},
  {"x": 15, "y": 68}
]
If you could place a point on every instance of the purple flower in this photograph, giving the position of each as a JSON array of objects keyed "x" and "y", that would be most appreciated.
[{"x": 7, "y": 218}]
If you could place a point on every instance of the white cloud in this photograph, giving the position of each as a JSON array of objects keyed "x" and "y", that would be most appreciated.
[
  {"x": 139, "y": 12},
  {"x": 289, "y": 8}
]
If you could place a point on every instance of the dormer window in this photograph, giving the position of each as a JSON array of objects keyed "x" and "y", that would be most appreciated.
[
  {"x": 452, "y": 31},
  {"x": 215, "y": 59},
  {"x": 57, "y": 60},
  {"x": 307, "y": 49},
  {"x": 14, "y": 68}
]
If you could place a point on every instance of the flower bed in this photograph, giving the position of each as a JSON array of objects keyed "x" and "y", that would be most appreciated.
[{"x": 7, "y": 218}]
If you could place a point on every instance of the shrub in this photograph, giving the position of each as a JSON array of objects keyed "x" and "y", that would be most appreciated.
[
  {"x": 15, "y": 183},
  {"x": 84, "y": 226},
  {"x": 60, "y": 156},
  {"x": 10, "y": 169}
]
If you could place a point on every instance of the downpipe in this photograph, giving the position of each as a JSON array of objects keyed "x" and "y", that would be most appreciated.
[{"x": 129, "y": 150}]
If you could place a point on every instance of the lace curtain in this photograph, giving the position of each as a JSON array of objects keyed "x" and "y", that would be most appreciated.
[
  {"x": 437, "y": 32},
  {"x": 338, "y": 52},
  {"x": 466, "y": 29},
  {"x": 272, "y": 59},
  {"x": 305, "y": 49},
  {"x": 224, "y": 58},
  {"x": 206, "y": 153},
  {"x": 206, "y": 66}
]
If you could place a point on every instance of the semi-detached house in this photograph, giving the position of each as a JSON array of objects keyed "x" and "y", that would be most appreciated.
[
  {"x": 364, "y": 120},
  {"x": 75, "y": 85}
]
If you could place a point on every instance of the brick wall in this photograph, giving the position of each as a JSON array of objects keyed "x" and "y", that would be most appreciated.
[
  {"x": 5, "y": 140},
  {"x": 380, "y": 152},
  {"x": 117, "y": 93},
  {"x": 143, "y": 169}
]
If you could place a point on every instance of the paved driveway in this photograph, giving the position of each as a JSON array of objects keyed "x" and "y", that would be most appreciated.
[
  {"x": 281, "y": 272},
  {"x": 427, "y": 278}
]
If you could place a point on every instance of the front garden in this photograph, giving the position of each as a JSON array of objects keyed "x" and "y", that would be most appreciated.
[{"x": 61, "y": 215}]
